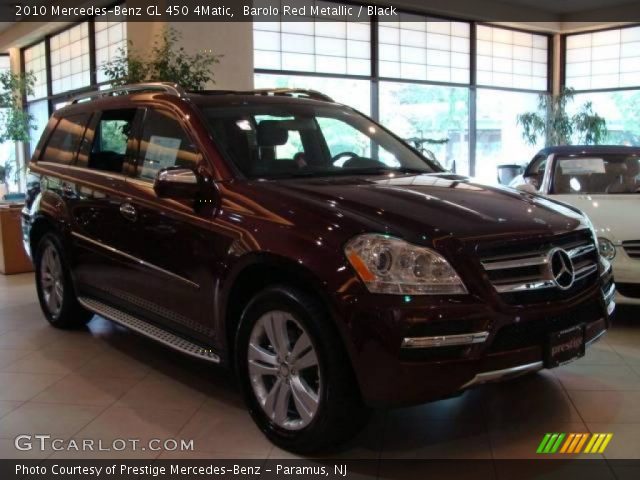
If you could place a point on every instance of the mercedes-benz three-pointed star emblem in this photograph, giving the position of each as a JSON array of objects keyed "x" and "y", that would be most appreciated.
[{"x": 560, "y": 268}]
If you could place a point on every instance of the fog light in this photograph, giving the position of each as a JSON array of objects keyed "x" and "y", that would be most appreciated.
[{"x": 606, "y": 247}]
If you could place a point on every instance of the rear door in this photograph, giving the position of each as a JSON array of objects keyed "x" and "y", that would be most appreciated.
[{"x": 100, "y": 230}]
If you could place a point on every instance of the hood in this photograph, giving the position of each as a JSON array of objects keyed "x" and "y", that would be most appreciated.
[
  {"x": 433, "y": 205},
  {"x": 614, "y": 216}
]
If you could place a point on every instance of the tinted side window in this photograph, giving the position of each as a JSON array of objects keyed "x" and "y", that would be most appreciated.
[
  {"x": 537, "y": 165},
  {"x": 164, "y": 144},
  {"x": 110, "y": 140},
  {"x": 65, "y": 139}
]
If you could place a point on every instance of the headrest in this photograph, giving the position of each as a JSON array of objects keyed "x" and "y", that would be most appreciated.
[
  {"x": 617, "y": 168},
  {"x": 271, "y": 133},
  {"x": 633, "y": 166}
]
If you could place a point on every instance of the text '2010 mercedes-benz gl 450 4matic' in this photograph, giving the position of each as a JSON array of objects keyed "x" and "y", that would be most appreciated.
[{"x": 304, "y": 246}]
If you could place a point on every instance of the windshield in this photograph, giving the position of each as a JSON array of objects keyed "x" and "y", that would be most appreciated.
[
  {"x": 610, "y": 173},
  {"x": 275, "y": 141}
]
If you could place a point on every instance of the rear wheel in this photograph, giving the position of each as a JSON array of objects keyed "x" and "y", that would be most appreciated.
[
  {"x": 295, "y": 374},
  {"x": 55, "y": 289}
]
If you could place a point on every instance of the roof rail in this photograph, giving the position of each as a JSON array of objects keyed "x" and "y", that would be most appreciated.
[
  {"x": 292, "y": 92},
  {"x": 170, "y": 88}
]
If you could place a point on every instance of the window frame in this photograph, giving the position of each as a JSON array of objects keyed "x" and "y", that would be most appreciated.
[
  {"x": 136, "y": 163},
  {"x": 473, "y": 86},
  {"x": 563, "y": 58},
  {"x": 133, "y": 143},
  {"x": 53, "y": 128},
  {"x": 51, "y": 98}
]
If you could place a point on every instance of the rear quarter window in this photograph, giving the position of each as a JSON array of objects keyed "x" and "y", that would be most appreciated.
[{"x": 64, "y": 142}]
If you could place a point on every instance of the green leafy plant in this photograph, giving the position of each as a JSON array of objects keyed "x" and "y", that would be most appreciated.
[
  {"x": 552, "y": 122},
  {"x": 16, "y": 123},
  {"x": 165, "y": 62}
]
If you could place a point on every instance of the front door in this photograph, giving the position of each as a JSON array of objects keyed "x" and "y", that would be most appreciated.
[{"x": 173, "y": 279}]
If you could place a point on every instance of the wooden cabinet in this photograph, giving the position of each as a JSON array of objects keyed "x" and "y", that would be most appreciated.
[{"x": 13, "y": 258}]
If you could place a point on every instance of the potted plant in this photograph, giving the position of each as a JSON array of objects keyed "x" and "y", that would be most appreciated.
[
  {"x": 16, "y": 123},
  {"x": 165, "y": 62},
  {"x": 15, "y": 126},
  {"x": 552, "y": 122}
]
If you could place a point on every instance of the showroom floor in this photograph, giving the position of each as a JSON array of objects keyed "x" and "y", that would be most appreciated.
[{"x": 108, "y": 383}]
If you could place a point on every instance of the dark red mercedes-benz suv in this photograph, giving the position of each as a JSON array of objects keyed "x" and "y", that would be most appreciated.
[{"x": 306, "y": 247}]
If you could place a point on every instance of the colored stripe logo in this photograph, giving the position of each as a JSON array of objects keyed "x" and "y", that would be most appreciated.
[{"x": 574, "y": 443}]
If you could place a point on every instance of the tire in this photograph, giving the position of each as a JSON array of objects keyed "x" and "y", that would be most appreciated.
[
  {"x": 307, "y": 401},
  {"x": 56, "y": 293}
]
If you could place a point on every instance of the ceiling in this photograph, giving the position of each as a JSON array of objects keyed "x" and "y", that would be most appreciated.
[
  {"x": 568, "y": 6},
  {"x": 5, "y": 25}
]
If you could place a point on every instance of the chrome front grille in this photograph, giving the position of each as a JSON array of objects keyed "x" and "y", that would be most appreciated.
[
  {"x": 632, "y": 247},
  {"x": 526, "y": 268}
]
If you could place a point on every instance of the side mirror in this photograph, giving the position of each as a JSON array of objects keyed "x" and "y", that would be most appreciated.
[
  {"x": 177, "y": 183},
  {"x": 527, "y": 187}
]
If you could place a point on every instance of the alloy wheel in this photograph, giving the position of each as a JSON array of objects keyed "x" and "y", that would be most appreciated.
[
  {"x": 284, "y": 371},
  {"x": 52, "y": 280}
]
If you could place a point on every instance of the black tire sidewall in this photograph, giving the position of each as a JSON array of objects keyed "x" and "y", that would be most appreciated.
[
  {"x": 69, "y": 316},
  {"x": 306, "y": 313}
]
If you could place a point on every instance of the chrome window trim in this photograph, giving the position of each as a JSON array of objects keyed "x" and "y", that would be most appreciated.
[
  {"x": 178, "y": 175},
  {"x": 545, "y": 188},
  {"x": 445, "y": 340},
  {"x": 137, "y": 260}
]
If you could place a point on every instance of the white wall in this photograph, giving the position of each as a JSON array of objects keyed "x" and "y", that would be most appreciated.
[{"x": 234, "y": 41}]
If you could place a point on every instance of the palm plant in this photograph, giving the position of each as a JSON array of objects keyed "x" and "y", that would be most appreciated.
[
  {"x": 165, "y": 62},
  {"x": 16, "y": 123},
  {"x": 553, "y": 123}
]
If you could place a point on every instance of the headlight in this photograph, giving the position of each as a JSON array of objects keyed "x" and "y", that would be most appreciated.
[
  {"x": 607, "y": 248},
  {"x": 390, "y": 265}
]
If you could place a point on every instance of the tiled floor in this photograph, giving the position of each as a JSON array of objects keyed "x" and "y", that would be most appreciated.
[{"x": 106, "y": 383}]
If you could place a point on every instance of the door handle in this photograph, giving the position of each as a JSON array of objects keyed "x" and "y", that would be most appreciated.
[{"x": 129, "y": 212}]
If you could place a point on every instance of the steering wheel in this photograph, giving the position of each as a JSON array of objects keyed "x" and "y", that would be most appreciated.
[{"x": 346, "y": 155}]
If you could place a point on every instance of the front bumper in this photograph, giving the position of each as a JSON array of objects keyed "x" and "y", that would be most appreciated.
[
  {"x": 627, "y": 274},
  {"x": 408, "y": 351}
]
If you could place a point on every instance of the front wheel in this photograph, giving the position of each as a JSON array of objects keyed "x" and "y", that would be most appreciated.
[
  {"x": 55, "y": 289},
  {"x": 295, "y": 373}
]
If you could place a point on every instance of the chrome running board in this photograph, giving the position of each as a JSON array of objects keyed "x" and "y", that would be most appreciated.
[
  {"x": 497, "y": 375},
  {"x": 149, "y": 330}
]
